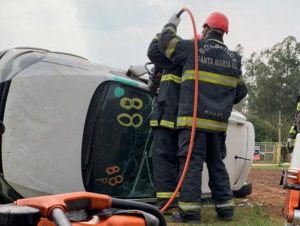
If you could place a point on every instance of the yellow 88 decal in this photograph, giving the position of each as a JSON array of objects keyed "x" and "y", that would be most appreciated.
[
  {"x": 135, "y": 120},
  {"x": 129, "y": 103}
]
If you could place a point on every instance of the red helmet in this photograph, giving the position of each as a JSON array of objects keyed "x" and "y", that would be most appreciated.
[{"x": 218, "y": 21}]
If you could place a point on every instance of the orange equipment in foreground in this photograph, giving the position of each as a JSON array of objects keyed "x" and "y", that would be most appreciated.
[
  {"x": 291, "y": 181},
  {"x": 79, "y": 209}
]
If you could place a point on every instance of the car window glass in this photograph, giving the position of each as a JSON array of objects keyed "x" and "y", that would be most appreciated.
[{"x": 116, "y": 142}]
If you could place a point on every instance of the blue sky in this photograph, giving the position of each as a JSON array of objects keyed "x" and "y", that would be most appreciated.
[{"x": 118, "y": 32}]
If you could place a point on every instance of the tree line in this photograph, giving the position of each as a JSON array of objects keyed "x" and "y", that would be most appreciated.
[{"x": 272, "y": 77}]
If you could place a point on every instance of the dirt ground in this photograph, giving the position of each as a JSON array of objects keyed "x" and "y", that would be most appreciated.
[{"x": 266, "y": 191}]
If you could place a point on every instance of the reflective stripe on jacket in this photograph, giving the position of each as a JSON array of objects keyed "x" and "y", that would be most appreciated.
[{"x": 293, "y": 131}]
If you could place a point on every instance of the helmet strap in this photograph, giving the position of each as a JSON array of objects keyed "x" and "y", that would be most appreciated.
[{"x": 205, "y": 31}]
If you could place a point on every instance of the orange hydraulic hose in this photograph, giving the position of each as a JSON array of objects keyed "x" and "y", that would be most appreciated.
[{"x": 195, "y": 110}]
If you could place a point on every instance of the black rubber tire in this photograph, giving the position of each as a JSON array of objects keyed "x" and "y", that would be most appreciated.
[{"x": 244, "y": 191}]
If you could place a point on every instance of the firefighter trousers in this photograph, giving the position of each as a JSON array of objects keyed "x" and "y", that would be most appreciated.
[
  {"x": 209, "y": 148},
  {"x": 165, "y": 165}
]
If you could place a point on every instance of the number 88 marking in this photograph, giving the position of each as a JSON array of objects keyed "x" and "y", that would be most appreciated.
[
  {"x": 115, "y": 180},
  {"x": 128, "y": 103},
  {"x": 112, "y": 170},
  {"x": 131, "y": 120}
]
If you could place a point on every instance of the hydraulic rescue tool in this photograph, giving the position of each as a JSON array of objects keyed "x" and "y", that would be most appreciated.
[
  {"x": 78, "y": 209},
  {"x": 290, "y": 180}
]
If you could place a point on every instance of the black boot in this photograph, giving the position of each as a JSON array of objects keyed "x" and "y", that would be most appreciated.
[
  {"x": 225, "y": 214},
  {"x": 172, "y": 209},
  {"x": 187, "y": 216}
]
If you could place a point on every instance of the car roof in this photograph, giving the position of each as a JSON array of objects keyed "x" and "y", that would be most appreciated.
[{"x": 14, "y": 60}]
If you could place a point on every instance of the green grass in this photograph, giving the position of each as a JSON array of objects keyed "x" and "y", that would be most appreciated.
[
  {"x": 271, "y": 166},
  {"x": 243, "y": 216},
  {"x": 246, "y": 216}
]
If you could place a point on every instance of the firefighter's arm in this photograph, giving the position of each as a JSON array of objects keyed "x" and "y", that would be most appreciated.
[
  {"x": 156, "y": 56},
  {"x": 241, "y": 91},
  {"x": 170, "y": 44},
  {"x": 160, "y": 63},
  {"x": 241, "y": 88}
]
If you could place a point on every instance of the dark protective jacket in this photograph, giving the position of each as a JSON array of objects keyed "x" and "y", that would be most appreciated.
[
  {"x": 296, "y": 122},
  {"x": 294, "y": 128},
  {"x": 166, "y": 106},
  {"x": 220, "y": 81}
]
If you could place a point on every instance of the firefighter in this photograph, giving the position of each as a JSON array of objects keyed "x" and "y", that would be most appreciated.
[
  {"x": 220, "y": 86},
  {"x": 291, "y": 137},
  {"x": 163, "y": 123},
  {"x": 294, "y": 128}
]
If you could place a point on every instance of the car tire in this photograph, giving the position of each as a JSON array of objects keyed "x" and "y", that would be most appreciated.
[{"x": 244, "y": 191}]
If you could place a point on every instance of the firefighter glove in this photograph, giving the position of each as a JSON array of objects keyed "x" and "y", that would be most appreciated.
[{"x": 174, "y": 20}]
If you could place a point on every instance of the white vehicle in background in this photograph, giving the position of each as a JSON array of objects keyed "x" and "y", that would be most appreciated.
[{"x": 72, "y": 125}]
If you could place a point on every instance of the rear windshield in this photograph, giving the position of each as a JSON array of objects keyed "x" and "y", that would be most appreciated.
[{"x": 116, "y": 143}]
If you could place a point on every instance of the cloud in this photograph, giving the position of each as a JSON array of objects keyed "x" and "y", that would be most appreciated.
[
  {"x": 164, "y": 5},
  {"x": 46, "y": 24},
  {"x": 118, "y": 32}
]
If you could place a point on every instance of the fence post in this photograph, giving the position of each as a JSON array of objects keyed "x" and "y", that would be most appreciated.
[
  {"x": 277, "y": 153},
  {"x": 278, "y": 148}
]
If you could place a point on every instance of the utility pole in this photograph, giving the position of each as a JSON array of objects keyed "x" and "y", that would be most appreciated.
[{"x": 279, "y": 125}]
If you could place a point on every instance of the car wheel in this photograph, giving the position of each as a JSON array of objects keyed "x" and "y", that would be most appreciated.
[{"x": 245, "y": 190}]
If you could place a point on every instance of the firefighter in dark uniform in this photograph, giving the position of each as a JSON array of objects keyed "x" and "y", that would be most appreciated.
[
  {"x": 163, "y": 123},
  {"x": 220, "y": 86},
  {"x": 294, "y": 128},
  {"x": 291, "y": 137}
]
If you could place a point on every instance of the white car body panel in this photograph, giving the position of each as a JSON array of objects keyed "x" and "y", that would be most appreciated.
[{"x": 45, "y": 114}]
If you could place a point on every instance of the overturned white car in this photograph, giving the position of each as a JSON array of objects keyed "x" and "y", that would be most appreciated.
[{"x": 72, "y": 126}]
